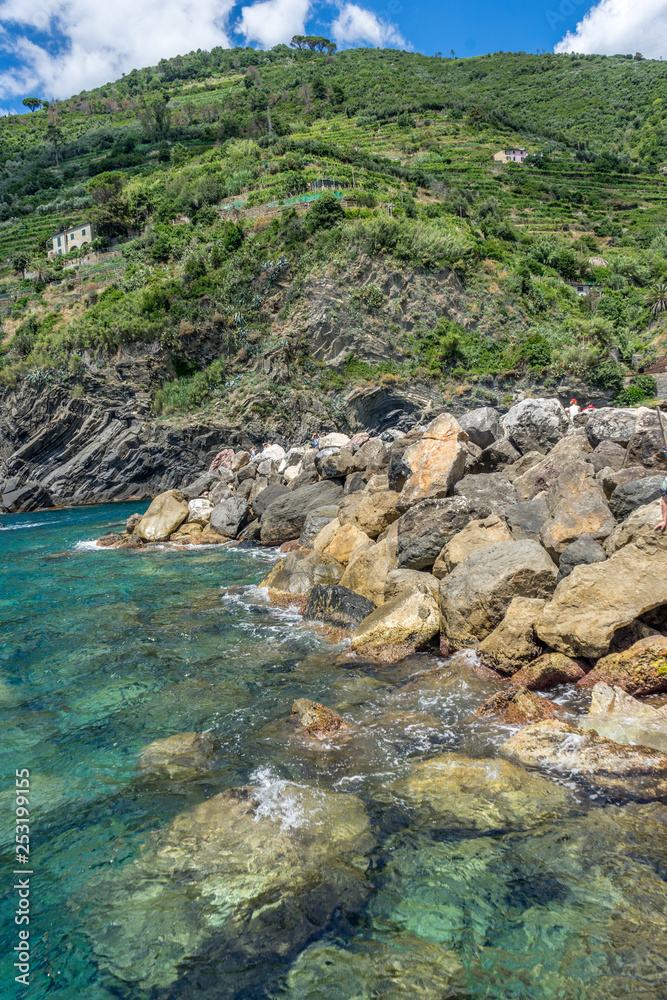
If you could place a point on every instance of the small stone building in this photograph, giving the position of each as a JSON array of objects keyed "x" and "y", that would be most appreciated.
[
  {"x": 515, "y": 155},
  {"x": 71, "y": 239}
]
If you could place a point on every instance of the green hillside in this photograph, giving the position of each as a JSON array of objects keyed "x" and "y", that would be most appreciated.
[{"x": 254, "y": 207}]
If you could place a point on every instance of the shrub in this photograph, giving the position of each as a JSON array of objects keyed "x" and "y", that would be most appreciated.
[{"x": 641, "y": 387}]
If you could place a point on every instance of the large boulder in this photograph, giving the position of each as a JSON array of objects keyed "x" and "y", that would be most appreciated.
[
  {"x": 482, "y": 426},
  {"x": 594, "y": 601},
  {"x": 229, "y": 516},
  {"x": 513, "y": 643},
  {"x": 535, "y": 424},
  {"x": 635, "y": 494},
  {"x": 497, "y": 456},
  {"x": 641, "y": 521},
  {"x": 577, "y": 506},
  {"x": 475, "y": 535},
  {"x": 299, "y": 572},
  {"x": 548, "y": 671},
  {"x": 525, "y": 520},
  {"x": 164, "y": 516},
  {"x": 200, "y": 485},
  {"x": 376, "y": 511},
  {"x": 608, "y": 455},
  {"x": 476, "y": 594},
  {"x": 426, "y": 528},
  {"x": 266, "y": 497},
  {"x": 199, "y": 511},
  {"x": 491, "y": 490},
  {"x": 367, "y": 571},
  {"x": 284, "y": 518},
  {"x": 646, "y": 444},
  {"x": 398, "y": 627},
  {"x": 334, "y": 463},
  {"x": 614, "y": 770},
  {"x": 333, "y": 440},
  {"x": 639, "y": 670},
  {"x": 337, "y": 606},
  {"x": 240, "y": 459},
  {"x": 436, "y": 462},
  {"x": 223, "y": 460},
  {"x": 346, "y": 542},
  {"x": 610, "y": 480},
  {"x": 399, "y": 580},
  {"x": 314, "y": 523},
  {"x": 370, "y": 454},
  {"x": 325, "y": 535},
  {"x": 583, "y": 552},
  {"x": 541, "y": 475},
  {"x": 610, "y": 424}
]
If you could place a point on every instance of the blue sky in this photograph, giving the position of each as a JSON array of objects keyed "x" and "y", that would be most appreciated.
[{"x": 56, "y": 48}]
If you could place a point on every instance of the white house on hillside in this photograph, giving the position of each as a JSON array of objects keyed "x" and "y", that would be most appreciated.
[{"x": 71, "y": 239}]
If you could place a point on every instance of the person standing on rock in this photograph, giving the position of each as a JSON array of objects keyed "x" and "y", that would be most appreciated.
[
  {"x": 316, "y": 440},
  {"x": 574, "y": 409},
  {"x": 253, "y": 453}
]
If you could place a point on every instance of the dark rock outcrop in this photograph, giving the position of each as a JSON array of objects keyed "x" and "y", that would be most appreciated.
[
  {"x": 285, "y": 517},
  {"x": 337, "y": 606}
]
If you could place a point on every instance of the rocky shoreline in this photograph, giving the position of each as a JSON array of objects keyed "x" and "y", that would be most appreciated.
[{"x": 527, "y": 538}]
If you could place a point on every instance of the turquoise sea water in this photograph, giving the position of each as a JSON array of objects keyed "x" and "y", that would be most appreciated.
[{"x": 474, "y": 888}]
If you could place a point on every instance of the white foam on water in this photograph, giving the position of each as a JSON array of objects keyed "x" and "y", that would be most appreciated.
[
  {"x": 88, "y": 545},
  {"x": 22, "y": 525},
  {"x": 278, "y": 799}
]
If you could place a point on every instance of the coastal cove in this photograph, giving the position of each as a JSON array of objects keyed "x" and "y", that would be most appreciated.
[{"x": 407, "y": 857}]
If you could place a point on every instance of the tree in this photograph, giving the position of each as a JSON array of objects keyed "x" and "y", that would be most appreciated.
[
  {"x": 155, "y": 116},
  {"x": 32, "y": 102},
  {"x": 20, "y": 261},
  {"x": 324, "y": 213},
  {"x": 658, "y": 299},
  {"x": 111, "y": 214},
  {"x": 54, "y": 135},
  {"x": 298, "y": 41}
]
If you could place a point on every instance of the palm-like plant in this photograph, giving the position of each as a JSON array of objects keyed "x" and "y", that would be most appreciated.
[{"x": 658, "y": 299}]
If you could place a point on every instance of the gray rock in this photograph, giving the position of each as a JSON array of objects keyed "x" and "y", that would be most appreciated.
[
  {"x": 482, "y": 426},
  {"x": 535, "y": 424},
  {"x": 284, "y": 518},
  {"x": 315, "y": 522},
  {"x": 201, "y": 485},
  {"x": 334, "y": 463},
  {"x": 476, "y": 594},
  {"x": 305, "y": 478},
  {"x": 21, "y": 498},
  {"x": 583, "y": 552},
  {"x": 646, "y": 444},
  {"x": 399, "y": 580},
  {"x": 610, "y": 424},
  {"x": 354, "y": 483},
  {"x": 266, "y": 497},
  {"x": 229, "y": 516},
  {"x": 397, "y": 470},
  {"x": 610, "y": 453},
  {"x": 337, "y": 606},
  {"x": 627, "y": 498},
  {"x": 425, "y": 529},
  {"x": 251, "y": 532},
  {"x": 372, "y": 454},
  {"x": 610, "y": 480},
  {"x": 497, "y": 455},
  {"x": 525, "y": 520},
  {"x": 131, "y": 523},
  {"x": 491, "y": 490},
  {"x": 248, "y": 472},
  {"x": 220, "y": 492}
]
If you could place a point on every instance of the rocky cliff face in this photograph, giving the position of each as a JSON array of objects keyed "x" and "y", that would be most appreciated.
[{"x": 57, "y": 450}]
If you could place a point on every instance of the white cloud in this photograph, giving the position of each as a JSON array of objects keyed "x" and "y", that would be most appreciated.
[
  {"x": 271, "y": 22},
  {"x": 103, "y": 38},
  {"x": 625, "y": 26},
  {"x": 356, "y": 25}
]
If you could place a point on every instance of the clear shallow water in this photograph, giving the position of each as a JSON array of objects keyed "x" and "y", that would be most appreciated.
[{"x": 377, "y": 884}]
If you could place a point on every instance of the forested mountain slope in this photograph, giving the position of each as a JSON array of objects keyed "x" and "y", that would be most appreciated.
[{"x": 276, "y": 230}]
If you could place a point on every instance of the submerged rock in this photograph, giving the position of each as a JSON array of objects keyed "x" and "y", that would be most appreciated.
[
  {"x": 179, "y": 756},
  {"x": 245, "y": 878},
  {"x": 616, "y": 770},
  {"x": 620, "y": 717},
  {"x": 460, "y": 793}
]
